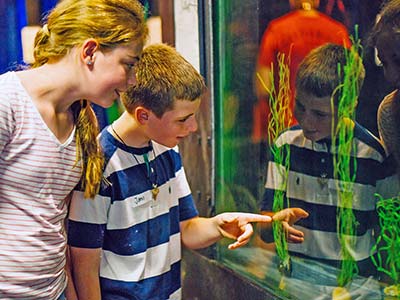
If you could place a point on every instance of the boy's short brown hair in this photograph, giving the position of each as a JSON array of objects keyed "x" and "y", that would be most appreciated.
[
  {"x": 318, "y": 73},
  {"x": 163, "y": 76}
]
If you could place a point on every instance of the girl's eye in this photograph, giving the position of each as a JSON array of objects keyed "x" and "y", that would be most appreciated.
[{"x": 130, "y": 64}]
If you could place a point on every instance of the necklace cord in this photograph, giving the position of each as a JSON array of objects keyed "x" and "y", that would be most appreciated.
[
  {"x": 146, "y": 160},
  {"x": 150, "y": 170}
]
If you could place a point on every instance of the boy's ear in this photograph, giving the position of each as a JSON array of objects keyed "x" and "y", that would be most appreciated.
[
  {"x": 89, "y": 47},
  {"x": 142, "y": 114}
]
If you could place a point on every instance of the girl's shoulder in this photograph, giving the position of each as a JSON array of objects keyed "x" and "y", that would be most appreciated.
[
  {"x": 10, "y": 83},
  {"x": 11, "y": 90},
  {"x": 8, "y": 78}
]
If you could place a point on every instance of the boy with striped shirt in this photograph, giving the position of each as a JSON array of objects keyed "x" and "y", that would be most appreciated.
[
  {"x": 126, "y": 244},
  {"x": 310, "y": 181}
]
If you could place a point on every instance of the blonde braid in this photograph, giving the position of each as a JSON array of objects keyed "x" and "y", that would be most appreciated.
[{"x": 88, "y": 150}]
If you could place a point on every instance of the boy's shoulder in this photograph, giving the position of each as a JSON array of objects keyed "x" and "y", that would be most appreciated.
[
  {"x": 107, "y": 142},
  {"x": 159, "y": 148},
  {"x": 291, "y": 136},
  {"x": 116, "y": 153},
  {"x": 166, "y": 153},
  {"x": 367, "y": 143}
]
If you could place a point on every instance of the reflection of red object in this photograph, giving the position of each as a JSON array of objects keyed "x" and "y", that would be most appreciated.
[
  {"x": 296, "y": 33},
  {"x": 331, "y": 3},
  {"x": 341, "y": 7}
]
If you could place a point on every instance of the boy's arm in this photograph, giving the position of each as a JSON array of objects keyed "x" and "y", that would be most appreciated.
[
  {"x": 288, "y": 217},
  {"x": 70, "y": 291},
  {"x": 86, "y": 265},
  {"x": 202, "y": 232}
]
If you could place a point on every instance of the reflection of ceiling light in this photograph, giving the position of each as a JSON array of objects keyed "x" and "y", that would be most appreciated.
[
  {"x": 306, "y": 6},
  {"x": 28, "y": 34}
]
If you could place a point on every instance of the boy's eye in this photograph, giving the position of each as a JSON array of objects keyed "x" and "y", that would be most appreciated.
[
  {"x": 321, "y": 115},
  {"x": 130, "y": 66},
  {"x": 183, "y": 120}
]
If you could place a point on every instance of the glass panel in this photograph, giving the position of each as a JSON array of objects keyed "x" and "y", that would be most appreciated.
[
  {"x": 242, "y": 158},
  {"x": 237, "y": 48}
]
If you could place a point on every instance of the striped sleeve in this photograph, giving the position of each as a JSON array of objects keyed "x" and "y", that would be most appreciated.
[{"x": 87, "y": 220}]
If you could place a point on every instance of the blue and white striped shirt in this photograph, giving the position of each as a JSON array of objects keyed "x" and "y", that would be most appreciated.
[
  {"x": 311, "y": 186},
  {"x": 139, "y": 236}
]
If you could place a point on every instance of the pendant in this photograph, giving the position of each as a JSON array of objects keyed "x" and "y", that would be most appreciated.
[
  {"x": 323, "y": 180},
  {"x": 155, "y": 191}
]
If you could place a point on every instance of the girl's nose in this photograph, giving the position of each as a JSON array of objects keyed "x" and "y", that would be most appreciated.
[{"x": 132, "y": 78}]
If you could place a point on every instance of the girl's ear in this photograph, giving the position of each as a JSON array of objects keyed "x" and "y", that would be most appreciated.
[
  {"x": 142, "y": 115},
  {"x": 89, "y": 47}
]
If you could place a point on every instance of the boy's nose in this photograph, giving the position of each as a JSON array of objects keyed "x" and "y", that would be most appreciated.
[
  {"x": 306, "y": 120},
  {"x": 192, "y": 124}
]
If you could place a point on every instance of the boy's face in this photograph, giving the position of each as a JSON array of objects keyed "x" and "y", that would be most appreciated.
[
  {"x": 174, "y": 124},
  {"x": 388, "y": 46},
  {"x": 314, "y": 115}
]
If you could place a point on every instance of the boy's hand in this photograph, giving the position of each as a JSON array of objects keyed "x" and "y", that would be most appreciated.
[
  {"x": 238, "y": 226},
  {"x": 288, "y": 217}
]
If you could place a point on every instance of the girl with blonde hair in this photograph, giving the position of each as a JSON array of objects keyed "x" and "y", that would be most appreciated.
[{"x": 85, "y": 52}]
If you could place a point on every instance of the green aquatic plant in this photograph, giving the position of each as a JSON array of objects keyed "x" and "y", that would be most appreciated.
[
  {"x": 279, "y": 118},
  {"x": 385, "y": 253},
  {"x": 344, "y": 163}
]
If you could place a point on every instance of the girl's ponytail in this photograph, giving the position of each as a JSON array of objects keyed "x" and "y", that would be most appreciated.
[{"x": 88, "y": 148}]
